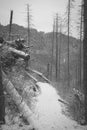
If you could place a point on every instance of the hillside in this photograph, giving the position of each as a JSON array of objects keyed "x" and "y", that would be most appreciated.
[
  {"x": 42, "y": 46},
  {"x": 38, "y": 38},
  {"x": 41, "y": 57}
]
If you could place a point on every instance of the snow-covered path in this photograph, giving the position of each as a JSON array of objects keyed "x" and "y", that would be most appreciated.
[{"x": 49, "y": 111}]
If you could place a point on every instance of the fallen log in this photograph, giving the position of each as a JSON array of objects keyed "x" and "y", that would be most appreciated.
[
  {"x": 10, "y": 55},
  {"x": 19, "y": 53},
  {"x": 18, "y": 44},
  {"x": 32, "y": 77},
  {"x": 64, "y": 102},
  {"x": 40, "y": 74},
  {"x": 23, "y": 108}
]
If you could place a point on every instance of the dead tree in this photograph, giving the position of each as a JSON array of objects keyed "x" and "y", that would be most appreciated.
[
  {"x": 22, "y": 106},
  {"x": 60, "y": 50},
  {"x": 28, "y": 20},
  {"x": 68, "y": 42},
  {"x": 57, "y": 67},
  {"x": 2, "y": 99},
  {"x": 10, "y": 26},
  {"x": 80, "y": 51},
  {"x": 85, "y": 58},
  {"x": 48, "y": 70},
  {"x": 52, "y": 50}
]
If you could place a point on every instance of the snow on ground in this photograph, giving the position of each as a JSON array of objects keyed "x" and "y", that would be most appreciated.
[{"x": 49, "y": 111}]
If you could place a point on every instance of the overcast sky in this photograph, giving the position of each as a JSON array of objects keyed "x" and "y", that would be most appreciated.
[{"x": 42, "y": 12}]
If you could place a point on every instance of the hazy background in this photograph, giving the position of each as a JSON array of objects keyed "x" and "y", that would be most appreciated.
[{"x": 42, "y": 12}]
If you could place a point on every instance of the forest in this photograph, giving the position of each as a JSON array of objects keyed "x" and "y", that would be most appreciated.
[{"x": 43, "y": 75}]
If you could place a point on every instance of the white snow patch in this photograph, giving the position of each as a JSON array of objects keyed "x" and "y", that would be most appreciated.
[{"x": 49, "y": 111}]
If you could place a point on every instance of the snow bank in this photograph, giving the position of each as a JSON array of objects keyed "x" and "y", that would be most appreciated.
[{"x": 49, "y": 111}]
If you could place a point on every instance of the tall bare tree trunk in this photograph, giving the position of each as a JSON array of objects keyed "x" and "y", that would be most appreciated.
[
  {"x": 28, "y": 20},
  {"x": 57, "y": 67},
  {"x": 2, "y": 100},
  {"x": 60, "y": 51},
  {"x": 68, "y": 42},
  {"x": 48, "y": 70},
  {"x": 52, "y": 50},
  {"x": 80, "y": 52},
  {"x": 85, "y": 57},
  {"x": 10, "y": 26}
]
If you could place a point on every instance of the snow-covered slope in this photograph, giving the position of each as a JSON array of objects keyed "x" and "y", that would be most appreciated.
[{"x": 49, "y": 111}]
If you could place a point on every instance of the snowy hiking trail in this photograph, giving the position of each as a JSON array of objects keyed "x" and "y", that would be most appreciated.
[{"x": 49, "y": 111}]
